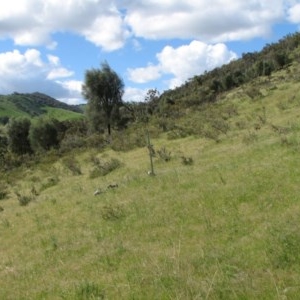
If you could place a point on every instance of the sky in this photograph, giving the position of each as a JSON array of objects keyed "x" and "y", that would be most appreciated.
[{"x": 47, "y": 45}]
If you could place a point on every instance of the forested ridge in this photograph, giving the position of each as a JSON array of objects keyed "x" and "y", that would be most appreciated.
[{"x": 206, "y": 87}]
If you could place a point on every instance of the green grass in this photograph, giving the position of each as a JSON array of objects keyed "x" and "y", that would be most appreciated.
[
  {"x": 62, "y": 114},
  {"x": 26, "y": 105},
  {"x": 224, "y": 227},
  {"x": 8, "y": 108}
]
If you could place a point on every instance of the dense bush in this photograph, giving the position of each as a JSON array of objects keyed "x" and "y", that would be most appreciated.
[
  {"x": 104, "y": 167},
  {"x": 44, "y": 134},
  {"x": 18, "y": 136},
  {"x": 71, "y": 142},
  {"x": 3, "y": 149},
  {"x": 3, "y": 190}
]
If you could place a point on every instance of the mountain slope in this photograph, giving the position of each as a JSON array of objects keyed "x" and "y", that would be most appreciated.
[
  {"x": 220, "y": 220},
  {"x": 35, "y": 104},
  {"x": 225, "y": 226}
]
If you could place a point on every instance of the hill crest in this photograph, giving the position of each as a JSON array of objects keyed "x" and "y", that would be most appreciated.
[{"x": 31, "y": 105}]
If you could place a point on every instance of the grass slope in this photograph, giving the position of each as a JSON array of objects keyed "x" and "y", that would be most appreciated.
[
  {"x": 36, "y": 104},
  {"x": 62, "y": 114},
  {"x": 8, "y": 108},
  {"x": 225, "y": 227}
]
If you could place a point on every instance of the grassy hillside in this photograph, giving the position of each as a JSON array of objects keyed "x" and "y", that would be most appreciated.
[
  {"x": 219, "y": 220},
  {"x": 36, "y": 104}
]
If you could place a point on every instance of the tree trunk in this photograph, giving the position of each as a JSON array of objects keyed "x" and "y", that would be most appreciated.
[{"x": 108, "y": 129}]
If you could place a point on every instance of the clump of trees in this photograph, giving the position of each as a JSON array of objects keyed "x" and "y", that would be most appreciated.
[{"x": 26, "y": 137}]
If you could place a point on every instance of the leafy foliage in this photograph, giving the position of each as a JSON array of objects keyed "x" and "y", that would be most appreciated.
[
  {"x": 18, "y": 136},
  {"x": 44, "y": 134},
  {"x": 103, "y": 89}
]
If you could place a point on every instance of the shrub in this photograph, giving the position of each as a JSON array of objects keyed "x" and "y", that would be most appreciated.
[
  {"x": 253, "y": 92},
  {"x": 52, "y": 181},
  {"x": 3, "y": 191},
  {"x": 220, "y": 125},
  {"x": 97, "y": 141},
  {"x": 72, "y": 164},
  {"x": 164, "y": 154},
  {"x": 11, "y": 161},
  {"x": 3, "y": 147},
  {"x": 44, "y": 134},
  {"x": 71, "y": 142},
  {"x": 18, "y": 136},
  {"x": 24, "y": 199},
  {"x": 187, "y": 161},
  {"x": 112, "y": 213},
  {"x": 103, "y": 168},
  {"x": 178, "y": 133}
]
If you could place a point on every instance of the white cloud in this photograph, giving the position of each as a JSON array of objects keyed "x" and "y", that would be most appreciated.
[
  {"x": 220, "y": 20},
  {"x": 108, "y": 24},
  {"x": 57, "y": 71},
  {"x": 74, "y": 92},
  {"x": 134, "y": 94},
  {"x": 107, "y": 32},
  {"x": 142, "y": 75},
  {"x": 184, "y": 62},
  {"x": 27, "y": 72},
  {"x": 20, "y": 66},
  {"x": 294, "y": 13},
  {"x": 32, "y": 22}
]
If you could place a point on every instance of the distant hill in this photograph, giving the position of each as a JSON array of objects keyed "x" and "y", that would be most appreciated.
[{"x": 34, "y": 105}]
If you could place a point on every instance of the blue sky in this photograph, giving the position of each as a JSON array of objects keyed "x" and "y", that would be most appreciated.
[{"x": 47, "y": 46}]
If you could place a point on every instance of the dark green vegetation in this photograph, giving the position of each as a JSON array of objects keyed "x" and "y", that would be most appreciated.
[
  {"x": 103, "y": 89},
  {"x": 220, "y": 220}
]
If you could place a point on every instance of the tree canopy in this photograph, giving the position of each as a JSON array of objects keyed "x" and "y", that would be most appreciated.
[{"x": 103, "y": 89}]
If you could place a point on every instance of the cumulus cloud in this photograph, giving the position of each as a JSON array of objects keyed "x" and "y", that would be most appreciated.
[
  {"x": 294, "y": 13},
  {"x": 73, "y": 88},
  {"x": 142, "y": 75},
  {"x": 32, "y": 22},
  {"x": 132, "y": 94},
  {"x": 108, "y": 24},
  {"x": 27, "y": 72},
  {"x": 184, "y": 62},
  {"x": 221, "y": 20}
]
